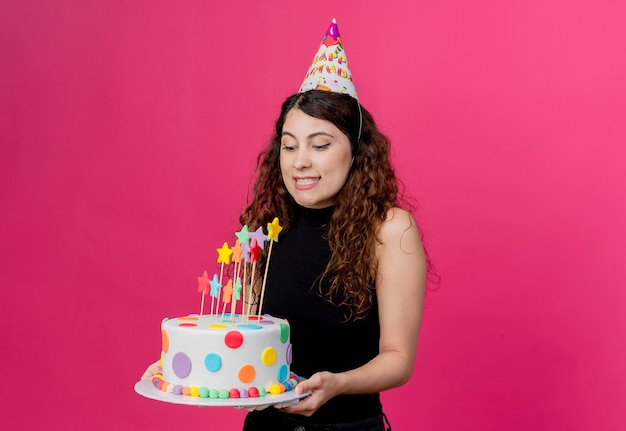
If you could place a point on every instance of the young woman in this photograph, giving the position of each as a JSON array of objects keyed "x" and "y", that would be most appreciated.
[{"x": 349, "y": 270}]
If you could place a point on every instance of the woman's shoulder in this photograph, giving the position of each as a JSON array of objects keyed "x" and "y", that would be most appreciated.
[{"x": 399, "y": 227}]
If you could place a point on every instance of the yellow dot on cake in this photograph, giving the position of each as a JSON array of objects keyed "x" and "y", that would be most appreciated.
[{"x": 268, "y": 356}]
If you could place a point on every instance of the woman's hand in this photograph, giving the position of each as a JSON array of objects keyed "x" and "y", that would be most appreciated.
[
  {"x": 323, "y": 386},
  {"x": 152, "y": 370}
]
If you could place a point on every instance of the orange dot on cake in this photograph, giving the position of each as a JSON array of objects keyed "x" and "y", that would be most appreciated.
[
  {"x": 246, "y": 373},
  {"x": 166, "y": 340}
]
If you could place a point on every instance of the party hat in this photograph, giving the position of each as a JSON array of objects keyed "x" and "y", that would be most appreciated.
[{"x": 330, "y": 70}]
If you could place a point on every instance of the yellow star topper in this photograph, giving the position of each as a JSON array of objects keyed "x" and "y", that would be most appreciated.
[
  {"x": 273, "y": 229},
  {"x": 224, "y": 254}
]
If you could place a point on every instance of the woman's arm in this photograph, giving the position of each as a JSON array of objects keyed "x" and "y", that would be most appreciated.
[{"x": 400, "y": 284}]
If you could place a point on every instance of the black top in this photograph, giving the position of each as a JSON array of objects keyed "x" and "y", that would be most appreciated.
[{"x": 322, "y": 337}]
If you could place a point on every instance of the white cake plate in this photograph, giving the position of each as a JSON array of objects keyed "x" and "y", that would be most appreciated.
[{"x": 146, "y": 388}]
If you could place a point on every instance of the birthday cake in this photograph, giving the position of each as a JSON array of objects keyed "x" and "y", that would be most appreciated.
[
  {"x": 228, "y": 355},
  {"x": 216, "y": 356}
]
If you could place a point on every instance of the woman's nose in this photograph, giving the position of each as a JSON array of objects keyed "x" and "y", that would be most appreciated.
[{"x": 303, "y": 159}]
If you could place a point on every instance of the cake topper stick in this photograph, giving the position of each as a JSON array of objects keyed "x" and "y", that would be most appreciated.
[
  {"x": 223, "y": 257},
  {"x": 228, "y": 293},
  {"x": 203, "y": 286},
  {"x": 244, "y": 239},
  {"x": 254, "y": 258},
  {"x": 236, "y": 296},
  {"x": 273, "y": 229},
  {"x": 243, "y": 294},
  {"x": 245, "y": 261},
  {"x": 237, "y": 255}
]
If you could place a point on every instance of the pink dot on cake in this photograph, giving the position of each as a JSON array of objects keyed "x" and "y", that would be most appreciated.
[{"x": 233, "y": 339}]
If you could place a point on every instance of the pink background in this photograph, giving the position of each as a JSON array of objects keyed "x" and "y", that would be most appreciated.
[{"x": 129, "y": 132}]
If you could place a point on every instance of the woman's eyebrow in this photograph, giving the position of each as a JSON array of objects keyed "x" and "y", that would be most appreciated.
[{"x": 312, "y": 135}]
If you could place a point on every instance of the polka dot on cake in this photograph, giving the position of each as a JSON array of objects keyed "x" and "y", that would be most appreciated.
[
  {"x": 283, "y": 373},
  {"x": 166, "y": 340},
  {"x": 289, "y": 354},
  {"x": 246, "y": 373},
  {"x": 268, "y": 357},
  {"x": 213, "y": 362},
  {"x": 181, "y": 365},
  {"x": 284, "y": 332},
  {"x": 249, "y": 326},
  {"x": 233, "y": 339}
]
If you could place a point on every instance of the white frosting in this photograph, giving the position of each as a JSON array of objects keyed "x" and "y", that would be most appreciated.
[{"x": 186, "y": 348}]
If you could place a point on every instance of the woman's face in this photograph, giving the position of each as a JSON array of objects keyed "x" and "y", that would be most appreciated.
[{"x": 315, "y": 159}]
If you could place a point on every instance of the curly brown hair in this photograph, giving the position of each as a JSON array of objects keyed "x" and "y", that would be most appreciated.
[{"x": 370, "y": 191}]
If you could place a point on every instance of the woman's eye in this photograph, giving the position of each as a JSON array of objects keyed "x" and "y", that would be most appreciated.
[
  {"x": 321, "y": 147},
  {"x": 288, "y": 148}
]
